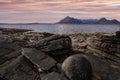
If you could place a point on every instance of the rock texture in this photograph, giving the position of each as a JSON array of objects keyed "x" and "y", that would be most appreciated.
[
  {"x": 19, "y": 69},
  {"x": 54, "y": 45},
  {"x": 77, "y": 67},
  {"x": 106, "y": 46},
  {"x": 103, "y": 69},
  {"x": 39, "y": 59},
  {"x": 42, "y": 59}
]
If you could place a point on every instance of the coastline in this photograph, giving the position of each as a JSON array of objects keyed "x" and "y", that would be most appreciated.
[{"x": 89, "y": 43}]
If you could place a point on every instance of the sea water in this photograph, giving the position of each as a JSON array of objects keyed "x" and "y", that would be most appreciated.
[{"x": 64, "y": 28}]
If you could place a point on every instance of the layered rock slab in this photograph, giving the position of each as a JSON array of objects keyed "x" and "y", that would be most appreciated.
[
  {"x": 39, "y": 59},
  {"x": 54, "y": 45}
]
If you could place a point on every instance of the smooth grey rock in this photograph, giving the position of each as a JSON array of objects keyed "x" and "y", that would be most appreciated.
[
  {"x": 104, "y": 69},
  {"x": 54, "y": 44},
  {"x": 38, "y": 58},
  {"x": 77, "y": 67}
]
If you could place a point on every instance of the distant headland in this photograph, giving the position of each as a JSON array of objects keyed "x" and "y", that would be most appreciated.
[{"x": 72, "y": 20}]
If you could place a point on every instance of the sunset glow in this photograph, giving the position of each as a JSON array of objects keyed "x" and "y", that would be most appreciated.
[{"x": 45, "y": 11}]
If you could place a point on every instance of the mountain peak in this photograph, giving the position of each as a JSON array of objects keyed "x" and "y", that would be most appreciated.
[
  {"x": 103, "y": 19},
  {"x": 68, "y": 17},
  {"x": 106, "y": 21},
  {"x": 72, "y": 20}
]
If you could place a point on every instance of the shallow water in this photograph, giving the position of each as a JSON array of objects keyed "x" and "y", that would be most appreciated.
[{"x": 64, "y": 28}]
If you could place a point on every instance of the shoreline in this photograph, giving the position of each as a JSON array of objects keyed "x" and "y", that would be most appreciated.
[
  {"x": 100, "y": 48},
  {"x": 16, "y": 30}
]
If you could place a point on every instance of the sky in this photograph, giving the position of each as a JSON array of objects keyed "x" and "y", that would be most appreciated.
[{"x": 51, "y": 11}]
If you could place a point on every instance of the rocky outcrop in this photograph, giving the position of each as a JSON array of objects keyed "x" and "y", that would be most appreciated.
[
  {"x": 37, "y": 61},
  {"x": 54, "y": 45},
  {"x": 107, "y": 47}
]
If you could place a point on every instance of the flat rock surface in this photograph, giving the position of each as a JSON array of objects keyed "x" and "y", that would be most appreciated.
[
  {"x": 38, "y": 58},
  {"x": 106, "y": 71}
]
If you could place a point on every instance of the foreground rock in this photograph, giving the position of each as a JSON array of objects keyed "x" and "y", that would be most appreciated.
[
  {"x": 39, "y": 59},
  {"x": 50, "y": 76},
  {"x": 102, "y": 52},
  {"x": 10, "y": 48},
  {"x": 77, "y": 67},
  {"x": 19, "y": 69},
  {"x": 104, "y": 70},
  {"x": 54, "y": 45}
]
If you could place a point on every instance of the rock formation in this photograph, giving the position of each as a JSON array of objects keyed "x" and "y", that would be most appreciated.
[
  {"x": 44, "y": 56},
  {"x": 54, "y": 45}
]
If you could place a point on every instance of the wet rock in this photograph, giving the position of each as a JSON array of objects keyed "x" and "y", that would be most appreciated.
[
  {"x": 54, "y": 44},
  {"x": 77, "y": 67},
  {"x": 38, "y": 58}
]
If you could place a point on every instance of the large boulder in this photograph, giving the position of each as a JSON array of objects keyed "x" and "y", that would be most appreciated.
[
  {"x": 18, "y": 69},
  {"x": 54, "y": 45},
  {"x": 10, "y": 48},
  {"x": 77, "y": 67},
  {"x": 39, "y": 59}
]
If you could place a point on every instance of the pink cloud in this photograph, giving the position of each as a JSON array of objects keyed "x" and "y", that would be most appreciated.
[{"x": 59, "y": 8}]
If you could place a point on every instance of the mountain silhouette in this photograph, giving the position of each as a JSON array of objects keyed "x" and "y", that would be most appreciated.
[{"x": 72, "y": 20}]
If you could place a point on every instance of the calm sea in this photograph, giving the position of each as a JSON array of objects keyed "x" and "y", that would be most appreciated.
[{"x": 64, "y": 28}]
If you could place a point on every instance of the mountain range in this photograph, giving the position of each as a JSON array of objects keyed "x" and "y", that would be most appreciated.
[{"x": 72, "y": 20}]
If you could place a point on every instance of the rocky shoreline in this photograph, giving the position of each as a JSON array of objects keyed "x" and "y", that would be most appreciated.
[{"x": 26, "y": 55}]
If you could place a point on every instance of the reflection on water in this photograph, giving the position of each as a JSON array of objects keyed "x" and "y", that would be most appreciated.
[{"x": 65, "y": 28}]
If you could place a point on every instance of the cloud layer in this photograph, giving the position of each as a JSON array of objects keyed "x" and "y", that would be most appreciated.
[{"x": 53, "y": 10}]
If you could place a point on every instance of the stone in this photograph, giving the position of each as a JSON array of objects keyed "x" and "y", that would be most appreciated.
[
  {"x": 39, "y": 59},
  {"x": 118, "y": 34},
  {"x": 18, "y": 69},
  {"x": 10, "y": 48},
  {"x": 77, "y": 67},
  {"x": 50, "y": 76},
  {"x": 53, "y": 76},
  {"x": 54, "y": 44},
  {"x": 103, "y": 69}
]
